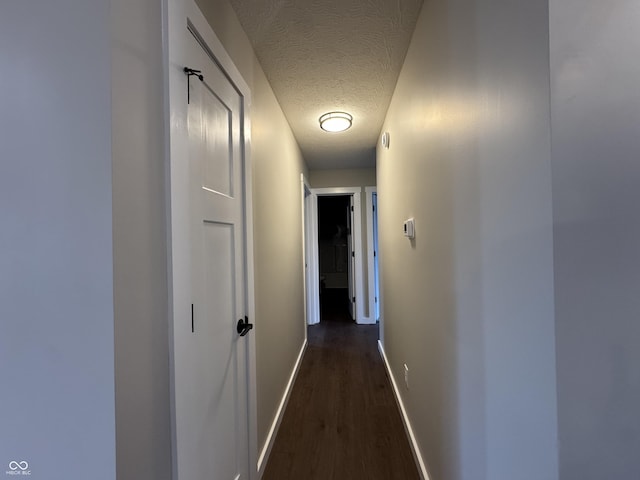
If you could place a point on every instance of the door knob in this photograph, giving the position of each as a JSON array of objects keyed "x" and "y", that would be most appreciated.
[{"x": 243, "y": 326}]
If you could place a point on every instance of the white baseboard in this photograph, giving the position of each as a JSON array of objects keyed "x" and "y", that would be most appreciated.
[
  {"x": 266, "y": 450},
  {"x": 422, "y": 469}
]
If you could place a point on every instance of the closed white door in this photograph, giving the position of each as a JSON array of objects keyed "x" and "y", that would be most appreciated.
[{"x": 211, "y": 397}]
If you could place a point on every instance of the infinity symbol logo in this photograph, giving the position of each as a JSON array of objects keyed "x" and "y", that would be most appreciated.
[{"x": 13, "y": 465}]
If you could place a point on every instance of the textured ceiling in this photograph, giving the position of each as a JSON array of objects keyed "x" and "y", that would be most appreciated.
[{"x": 326, "y": 55}]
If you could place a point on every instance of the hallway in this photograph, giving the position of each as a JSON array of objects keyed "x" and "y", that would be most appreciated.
[
  {"x": 506, "y": 133},
  {"x": 342, "y": 421}
]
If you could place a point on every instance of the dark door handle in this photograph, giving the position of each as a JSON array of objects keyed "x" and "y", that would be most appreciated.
[{"x": 243, "y": 326}]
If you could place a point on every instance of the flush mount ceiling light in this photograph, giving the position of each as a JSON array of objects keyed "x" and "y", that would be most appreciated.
[{"x": 335, "y": 121}]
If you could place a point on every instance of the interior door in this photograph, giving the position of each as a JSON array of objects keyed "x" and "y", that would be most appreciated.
[
  {"x": 376, "y": 277},
  {"x": 211, "y": 397},
  {"x": 351, "y": 262}
]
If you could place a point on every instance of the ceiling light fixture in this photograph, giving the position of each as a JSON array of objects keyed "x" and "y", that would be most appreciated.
[{"x": 335, "y": 121}]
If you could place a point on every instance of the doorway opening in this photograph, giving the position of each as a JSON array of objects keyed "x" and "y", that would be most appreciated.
[
  {"x": 356, "y": 263},
  {"x": 336, "y": 254}
]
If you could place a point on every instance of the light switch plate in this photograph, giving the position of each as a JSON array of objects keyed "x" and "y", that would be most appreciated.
[{"x": 409, "y": 228}]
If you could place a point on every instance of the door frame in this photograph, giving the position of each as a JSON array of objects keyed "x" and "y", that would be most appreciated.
[
  {"x": 310, "y": 247},
  {"x": 179, "y": 15},
  {"x": 373, "y": 275},
  {"x": 351, "y": 262},
  {"x": 314, "y": 264}
]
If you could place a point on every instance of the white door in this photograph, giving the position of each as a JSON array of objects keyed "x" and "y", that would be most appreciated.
[
  {"x": 351, "y": 261},
  {"x": 211, "y": 397},
  {"x": 376, "y": 278}
]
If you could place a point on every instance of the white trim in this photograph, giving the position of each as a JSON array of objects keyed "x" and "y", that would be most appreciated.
[
  {"x": 178, "y": 224},
  {"x": 369, "y": 191},
  {"x": 275, "y": 426},
  {"x": 168, "y": 17},
  {"x": 305, "y": 273},
  {"x": 222, "y": 58},
  {"x": 313, "y": 291},
  {"x": 415, "y": 449},
  {"x": 311, "y": 277},
  {"x": 356, "y": 192},
  {"x": 352, "y": 271},
  {"x": 250, "y": 299},
  {"x": 178, "y": 15}
]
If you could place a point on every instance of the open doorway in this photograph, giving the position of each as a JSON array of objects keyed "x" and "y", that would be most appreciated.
[
  {"x": 355, "y": 266},
  {"x": 336, "y": 255}
]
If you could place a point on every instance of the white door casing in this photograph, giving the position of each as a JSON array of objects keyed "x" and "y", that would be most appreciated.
[
  {"x": 313, "y": 268},
  {"x": 213, "y": 378},
  {"x": 314, "y": 286},
  {"x": 310, "y": 277},
  {"x": 373, "y": 254},
  {"x": 351, "y": 261}
]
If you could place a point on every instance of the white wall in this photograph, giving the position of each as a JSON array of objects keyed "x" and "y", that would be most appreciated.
[
  {"x": 596, "y": 196},
  {"x": 277, "y": 210},
  {"x": 278, "y": 251},
  {"x": 56, "y": 254},
  {"x": 468, "y": 304},
  {"x": 83, "y": 244}
]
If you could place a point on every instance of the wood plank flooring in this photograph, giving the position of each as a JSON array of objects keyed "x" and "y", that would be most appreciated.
[{"x": 342, "y": 422}]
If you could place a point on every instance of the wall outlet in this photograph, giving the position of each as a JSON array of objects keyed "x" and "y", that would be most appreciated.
[{"x": 406, "y": 376}]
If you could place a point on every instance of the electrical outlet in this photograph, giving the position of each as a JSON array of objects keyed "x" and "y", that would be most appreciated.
[{"x": 406, "y": 376}]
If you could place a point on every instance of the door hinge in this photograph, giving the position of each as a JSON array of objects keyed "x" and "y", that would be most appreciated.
[
  {"x": 375, "y": 253},
  {"x": 353, "y": 254},
  {"x": 352, "y": 209},
  {"x": 353, "y": 299},
  {"x": 376, "y": 299}
]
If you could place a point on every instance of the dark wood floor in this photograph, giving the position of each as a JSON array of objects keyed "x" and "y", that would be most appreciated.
[{"x": 342, "y": 421}]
